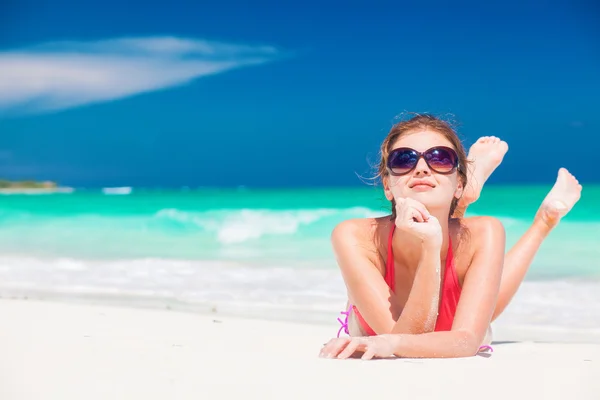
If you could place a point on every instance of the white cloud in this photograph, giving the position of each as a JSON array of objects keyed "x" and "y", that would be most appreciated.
[{"x": 60, "y": 75}]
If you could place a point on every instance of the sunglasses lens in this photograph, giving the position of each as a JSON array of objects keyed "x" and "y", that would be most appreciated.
[
  {"x": 441, "y": 160},
  {"x": 402, "y": 161}
]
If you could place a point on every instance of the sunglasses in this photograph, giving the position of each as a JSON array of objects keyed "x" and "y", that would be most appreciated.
[{"x": 440, "y": 159}]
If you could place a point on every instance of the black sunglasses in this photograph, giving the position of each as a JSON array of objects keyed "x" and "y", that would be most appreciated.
[{"x": 440, "y": 159}]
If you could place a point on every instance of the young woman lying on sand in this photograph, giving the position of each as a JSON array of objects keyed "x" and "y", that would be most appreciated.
[{"x": 426, "y": 282}]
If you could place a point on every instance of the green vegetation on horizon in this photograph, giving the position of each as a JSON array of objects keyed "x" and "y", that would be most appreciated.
[{"x": 6, "y": 184}]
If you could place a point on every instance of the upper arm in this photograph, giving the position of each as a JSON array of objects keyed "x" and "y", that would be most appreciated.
[
  {"x": 482, "y": 280},
  {"x": 367, "y": 289}
]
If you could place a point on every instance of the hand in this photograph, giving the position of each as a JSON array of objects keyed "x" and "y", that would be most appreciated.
[
  {"x": 413, "y": 217},
  {"x": 381, "y": 346}
]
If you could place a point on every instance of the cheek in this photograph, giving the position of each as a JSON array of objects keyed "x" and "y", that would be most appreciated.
[
  {"x": 396, "y": 184},
  {"x": 450, "y": 185}
]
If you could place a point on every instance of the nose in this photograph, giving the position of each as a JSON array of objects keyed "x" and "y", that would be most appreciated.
[{"x": 422, "y": 168}]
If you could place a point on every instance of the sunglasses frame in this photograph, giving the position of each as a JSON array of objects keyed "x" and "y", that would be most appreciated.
[{"x": 420, "y": 155}]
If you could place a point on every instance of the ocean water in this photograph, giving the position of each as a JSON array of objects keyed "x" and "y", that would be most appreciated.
[{"x": 260, "y": 252}]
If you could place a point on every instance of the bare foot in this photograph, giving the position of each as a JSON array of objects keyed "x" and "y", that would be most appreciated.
[
  {"x": 560, "y": 200},
  {"x": 484, "y": 155}
]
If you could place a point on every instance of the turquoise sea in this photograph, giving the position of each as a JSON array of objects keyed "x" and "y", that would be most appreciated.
[{"x": 259, "y": 252}]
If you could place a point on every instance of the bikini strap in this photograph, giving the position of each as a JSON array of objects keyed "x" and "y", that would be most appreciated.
[
  {"x": 450, "y": 276},
  {"x": 344, "y": 323}
]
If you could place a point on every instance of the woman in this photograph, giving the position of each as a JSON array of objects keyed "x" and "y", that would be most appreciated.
[{"x": 427, "y": 281}]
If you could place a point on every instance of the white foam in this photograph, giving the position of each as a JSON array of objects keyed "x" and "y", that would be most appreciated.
[
  {"x": 117, "y": 190},
  {"x": 317, "y": 293},
  {"x": 241, "y": 225},
  {"x": 253, "y": 224}
]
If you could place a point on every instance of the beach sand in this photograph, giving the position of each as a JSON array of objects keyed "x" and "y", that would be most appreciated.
[{"x": 51, "y": 350}]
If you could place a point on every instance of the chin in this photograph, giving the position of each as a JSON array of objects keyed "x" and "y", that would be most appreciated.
[{"x": 429, "y": 199}]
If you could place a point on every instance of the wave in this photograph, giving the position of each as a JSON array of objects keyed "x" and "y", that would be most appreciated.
[
  {"x": 237, "y": 226},
  {"x": 117, "y": 190},
  {"x": 173, "y": 233},
  {"x": 265, "y": 235}
]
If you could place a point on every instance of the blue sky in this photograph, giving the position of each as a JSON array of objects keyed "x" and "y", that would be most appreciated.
[{"x": 267, "y": 93}]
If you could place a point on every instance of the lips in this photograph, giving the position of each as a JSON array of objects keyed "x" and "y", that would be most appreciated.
[{"x": 421, "y": 183}]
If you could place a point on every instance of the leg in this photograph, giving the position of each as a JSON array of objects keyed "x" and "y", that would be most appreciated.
[
  {"x": 484, "y": 156},
  {"x": 559, "y": 201}
]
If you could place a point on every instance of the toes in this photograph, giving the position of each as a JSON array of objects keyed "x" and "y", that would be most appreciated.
[
  {"x": 565, "y": 176},
  {"x": 563, "y": 172},
  {"x": 491, "y": 140}
]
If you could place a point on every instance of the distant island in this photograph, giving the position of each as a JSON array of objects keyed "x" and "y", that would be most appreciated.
[
  {"x": 31, "y": 186},
  {"x": 6, "y": 184}
]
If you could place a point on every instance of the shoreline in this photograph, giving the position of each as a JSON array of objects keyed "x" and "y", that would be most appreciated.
[
  {"x": 75, "y": 351},
  {"x": 559, "y": 310},
  {"x": 502, "y": 329}
]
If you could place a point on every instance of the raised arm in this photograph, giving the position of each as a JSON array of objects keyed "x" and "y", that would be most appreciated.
[
  {"x": 421, "y": 309},
  {"x": 473, "y": 315},
  {"x": 357, "y": 257}
]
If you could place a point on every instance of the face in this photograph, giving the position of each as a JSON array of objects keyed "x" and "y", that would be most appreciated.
[{"x": 434, "y": 189}]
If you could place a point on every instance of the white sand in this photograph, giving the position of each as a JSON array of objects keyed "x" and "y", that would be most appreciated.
[{"x": 74, "y": 351}]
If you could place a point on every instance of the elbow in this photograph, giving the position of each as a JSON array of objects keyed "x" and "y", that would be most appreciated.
[{"x": 468, "y": 344}]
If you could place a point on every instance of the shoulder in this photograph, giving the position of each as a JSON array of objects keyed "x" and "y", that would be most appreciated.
[
  {"x": 484, "y": 228},
  {"x": 359, "y": 235},
  {"x": 353, "y": 230},
  {"x": 479, "y": 239},
  {"x": 486, "y": 235}
]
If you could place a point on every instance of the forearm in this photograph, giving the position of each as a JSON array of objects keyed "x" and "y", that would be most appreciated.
[
  {"x": 421, "y": 309},
  {"x": 447, "y": 344}
]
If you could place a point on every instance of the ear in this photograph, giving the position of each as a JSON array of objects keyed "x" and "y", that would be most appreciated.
[
  {"x": 459, "y": 189},
  {"x": 386, "y": 189}
]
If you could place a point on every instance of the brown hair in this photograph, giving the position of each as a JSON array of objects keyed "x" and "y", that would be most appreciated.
[{"x": 423, "y": 122}]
